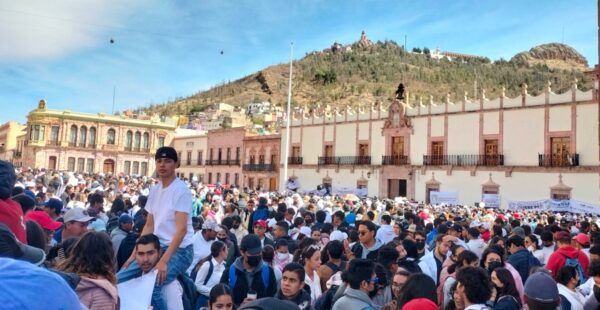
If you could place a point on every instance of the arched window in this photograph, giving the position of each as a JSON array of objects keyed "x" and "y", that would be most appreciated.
[
  {"x": 92, "y": 138},
  {"x": 137, "y": 140},
  {"x": 128, "y": 139},
  {"x": 73, "y": 136},
  {"x": 110, "y": 136},
  {"x": 82, "y": 135},
  {"x": 145, "y": 141}
]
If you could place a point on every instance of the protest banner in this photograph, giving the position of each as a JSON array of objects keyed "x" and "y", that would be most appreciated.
[{"x": 449, "y": 198}]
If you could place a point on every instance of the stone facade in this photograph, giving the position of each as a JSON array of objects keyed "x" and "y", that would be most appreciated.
[
  {"x": 191, "y": 147},
  {"x": 261, "y": 162},
  {"x": 225, "y": 156},
  {"x": 8, "y": 140},
  {"x": 93, "y": 143}
]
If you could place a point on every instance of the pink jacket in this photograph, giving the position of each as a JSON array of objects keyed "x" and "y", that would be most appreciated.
[{"x": 97, "y": 294}]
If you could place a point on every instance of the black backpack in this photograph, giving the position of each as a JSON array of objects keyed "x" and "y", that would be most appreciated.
[
  {"x": 126, "y": 248},
  {"x": 190, "y": 295},
  {"x": 113, "y": 223}
]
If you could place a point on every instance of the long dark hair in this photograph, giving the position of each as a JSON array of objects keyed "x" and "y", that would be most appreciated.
[
  {"x": 508, "y": 282},
  {"x": 35, "y": 235},
  {"x": 418, "y": 285},
  {"x": 465, "y": 256},
  {"x": 217, "y": 291},
  {"x": 91, "y": 256}
]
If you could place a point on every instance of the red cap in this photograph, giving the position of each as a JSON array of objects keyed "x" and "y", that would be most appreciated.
[
  {"x": 262, "y": 223},
  {"x": 583, "y": 239},
  {"x": 11, "y": 215},
  {"x": 420, "y": 304},
  {"x": 43, "y": 219}
]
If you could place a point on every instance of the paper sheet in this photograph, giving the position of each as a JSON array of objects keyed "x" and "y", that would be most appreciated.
[{"x": 136, "y": 294}]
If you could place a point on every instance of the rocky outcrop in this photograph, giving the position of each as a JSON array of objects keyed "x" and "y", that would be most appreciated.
[{"x": 552, "y": 54}]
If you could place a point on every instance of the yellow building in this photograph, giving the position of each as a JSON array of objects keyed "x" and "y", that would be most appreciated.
[
  {"x": 85, "y": 142},
  {"x": 8, "y": 140}
]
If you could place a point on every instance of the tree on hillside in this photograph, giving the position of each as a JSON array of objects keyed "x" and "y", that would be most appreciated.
[{"x": 416, "y": 50}]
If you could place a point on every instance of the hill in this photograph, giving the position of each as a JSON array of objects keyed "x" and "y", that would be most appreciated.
[{"x": 369, "y": 72}]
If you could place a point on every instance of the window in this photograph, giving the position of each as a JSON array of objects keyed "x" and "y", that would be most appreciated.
[
  {"x": 189, "y": 144},
  {"x": 236, "y": 179},
  {"x": 73, "y": 135},
  {"x": 161, "y": 141},
  {"x": 145, "y": 141},
  {"x": 437, "y": 153},
  {"x": 54, "y": 134},
  {"x": 191, "y": 176},
  {"x": 261, "y": 159},
  {"x": 219, "y": 155},
  {"x": 228, "y": 153},
  {"x": 71, "y": 164},
  {"x": 561, "y": 155},
  {"x": 210, "y": 156},
  {"x": 179, "y": 158},
  {"x": 137, "y": 140},
  {"x": 110, "y": 137},
  {"x": 82, "y": 135},
  {"x": 237, "y": 153},
  {"x": 226, "y": 178},
  {"x": 128, "y": 139},
  {"x": 273, "y": 159},
  {"x": 218, "y": 177},
  {"x": 127, "y": 168},
  {"x": 199, "y": 158},
  {"x": 491, "y": 152},
  {"x": 136, "y": 167},
  {"x": 252, "y": 160},
  {"x": 80, "y": 164},
  {"x": 90, "y": 165},
  {"x": 144, "y": 171},
  {"x": 92, "y": 139},
  {"x": 189, "y": 158},
  {"x": 201, "y": 178},
  {"x": 210, "y": 178},
  {"x": 251, "y": 183}
]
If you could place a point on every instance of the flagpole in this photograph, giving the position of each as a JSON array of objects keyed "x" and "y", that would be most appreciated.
[{"x": 287, "y": 123}]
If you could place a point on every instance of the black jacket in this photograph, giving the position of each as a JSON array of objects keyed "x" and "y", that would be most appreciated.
[{"x": 302, "y": 300}]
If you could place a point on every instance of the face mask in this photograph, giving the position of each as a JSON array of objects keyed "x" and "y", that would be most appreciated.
[
  {"x": 223, "y": 239},
  {"x": 282, "y": 256},
  {"x": 236, "y": 226},
  {"x": 420, "y": 245},
  {"x": 253, "y": 261}
]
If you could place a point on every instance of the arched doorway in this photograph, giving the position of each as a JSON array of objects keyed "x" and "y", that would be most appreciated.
[{"x": 109, "y": 166}]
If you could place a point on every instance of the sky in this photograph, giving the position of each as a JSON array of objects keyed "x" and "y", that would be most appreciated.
[{"x": 61, "y": 50}]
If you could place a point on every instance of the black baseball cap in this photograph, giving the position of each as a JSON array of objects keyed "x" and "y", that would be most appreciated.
[
  {"x": 166, "y": 152},
  {"x": 251, "y": 244},
  {"x": 10, "y": 247}
]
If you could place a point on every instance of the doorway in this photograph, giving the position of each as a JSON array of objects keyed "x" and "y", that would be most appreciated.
[
  {"x": 560, "y": 151},
  {"x": 109, "y": 166},
  {"x": 273, "y": 184},
  {"x": 52, "y": 163},
  {"x": 396, "y": 188}
]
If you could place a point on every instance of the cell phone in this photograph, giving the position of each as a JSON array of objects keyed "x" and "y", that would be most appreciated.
[{"x": 252, "y": 295}]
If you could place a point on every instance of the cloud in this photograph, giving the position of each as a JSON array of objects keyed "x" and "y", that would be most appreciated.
[{"x": 45, "y": 30}]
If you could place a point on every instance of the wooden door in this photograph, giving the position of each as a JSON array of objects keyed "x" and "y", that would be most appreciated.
[
  {"x": 273, "y": 184},
  {"x": 491, "y": 152},
  {"x": 109, "y": 166},
  {"x": 52, "y": 163},
  {"x": 397, "y": 146},
  {"x": 437, "y": 152},
  {"x": 560, "y": 151}
]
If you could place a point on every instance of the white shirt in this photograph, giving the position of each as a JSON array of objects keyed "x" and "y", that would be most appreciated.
[
  {"x": 547, "y": 252},
  {"x": 315, "y": 286},
  {"x": 201, "y": 249},
  {"x": 215, "y": 277},
  {"x": 163, "y": 203}
]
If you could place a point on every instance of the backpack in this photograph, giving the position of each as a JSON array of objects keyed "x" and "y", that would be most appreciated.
[
  {"x": 113, "y": 223},
  {"x": 264, "y": 274},
  {"x": 335, "y": 267},
  {"x": 190, "y": 294},
  {"x": 574, "y": 262},
  {"x": 197, "y": 268},
  {"x": 126, "y": 248}
]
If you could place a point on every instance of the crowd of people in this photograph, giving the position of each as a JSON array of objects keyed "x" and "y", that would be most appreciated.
[{"x": 67, "y": 241}]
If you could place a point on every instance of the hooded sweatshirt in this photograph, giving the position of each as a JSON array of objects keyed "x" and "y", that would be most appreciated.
[
  {"x": 477, "y": 246},
  {"x": 97, "y": 294},
  {"x": 360, "y": 251},
  {"x": 302, "y": 299},
  {"x": 385, "y": 233},
  {"x": 558, "y": 259},
  {"x": 353, "y": 299}
]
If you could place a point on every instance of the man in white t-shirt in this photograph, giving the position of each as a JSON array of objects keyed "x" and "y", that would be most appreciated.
[{"x": 169, "y": 209}]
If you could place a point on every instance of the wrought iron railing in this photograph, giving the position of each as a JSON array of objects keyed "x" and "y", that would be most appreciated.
[
  {"x": 344, "y": 160},
  {"x": 463, "y": 160},
  {"x": 258, "y": 167},
  {"x": 558, "y": 160},
  {"x": 395, "y": 160},
  {"x": 294, "y": 160}
]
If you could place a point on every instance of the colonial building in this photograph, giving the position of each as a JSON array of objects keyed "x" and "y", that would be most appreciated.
[
  {"x": 191, "y": 146},
  {"x": 224, "y": 161},
  {"x": 523, "y": 148},
  {"x": 8, "y": 140},
  {"x": 83, "y": 142},
  {"x": 261, "y": 161}
]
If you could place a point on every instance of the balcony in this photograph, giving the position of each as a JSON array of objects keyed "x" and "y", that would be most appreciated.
[
  {"x": 394, "y": 160},
  {"x": 294, "y": 160},
  {"x": 558, "y": 160},
  {"x": 259, "y": 167},
  {"x": 223, "y": 162},
  {"x": 463, "y": 160},
  {"x": 345, "y": 160}
]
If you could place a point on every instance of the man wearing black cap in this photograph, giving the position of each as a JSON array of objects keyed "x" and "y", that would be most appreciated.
[
  {"x": 169, "y": 206},
  {"x": 250, "y": 273}
]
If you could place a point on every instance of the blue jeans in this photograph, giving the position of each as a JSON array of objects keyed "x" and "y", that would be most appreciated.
[{"x": 178, "y": 264}]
